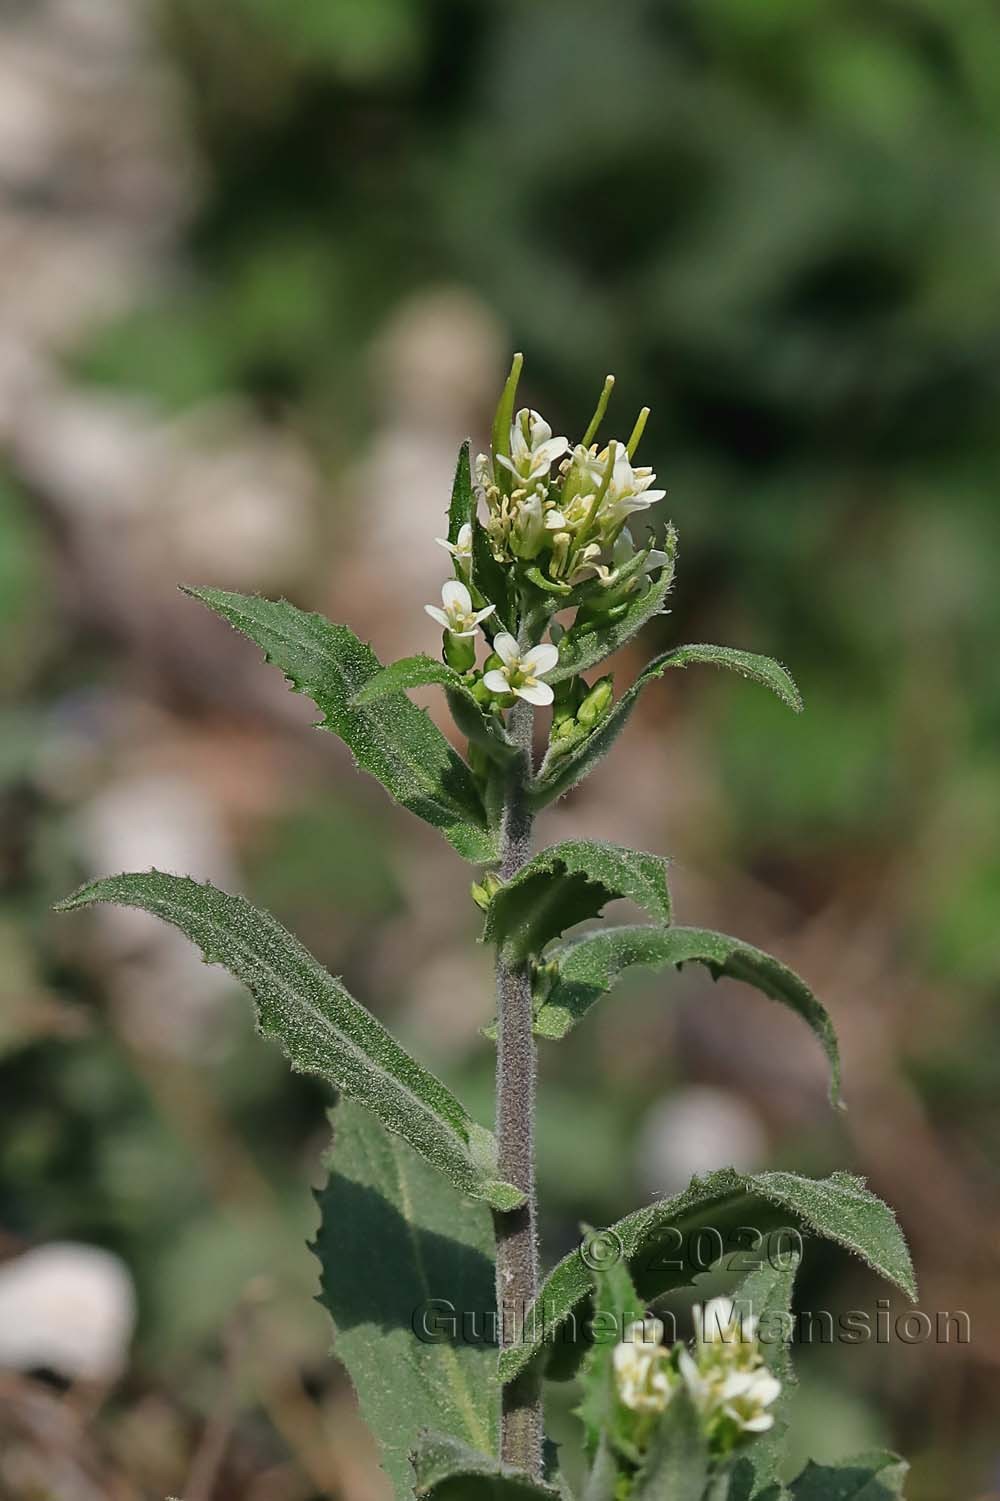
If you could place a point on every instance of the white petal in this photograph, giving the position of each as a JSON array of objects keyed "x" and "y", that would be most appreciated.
[
  {"x": 505, "y": 461},
  {"x": 464, "y": 543},
  {"x": 546, "y": 453},
  {"x": 506, "y": 647},
  {"x": 535, "y": 693},
  {"x": 555, "y": 521},
  {"x": 766, "y": 1390},
  {"x": 495, "y": 680},
  {"x": 455, "y": 596},
  {"x": 540, "y": 659},
  {"x": 761, "y": 1424},
  {"x": 437, "y": 615},
  {"x": 443, "y": 542},
  {"x": 483, "y": 614}
]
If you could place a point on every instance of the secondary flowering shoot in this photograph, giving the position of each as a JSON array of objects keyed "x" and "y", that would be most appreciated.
[
  {"x": 520, "y": 672},
  {"x": 725, "y": 1375}
]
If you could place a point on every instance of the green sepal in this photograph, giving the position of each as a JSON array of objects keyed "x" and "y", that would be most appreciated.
[
  {"x": 584, "y": 969},
  {"x": 559, "y": 771},
  {"x": 320, "y": 1026},
  {"x": 391, "y": 738},
  {"x": 400, "y": 1252},
  {"x": 839, "y": 1208},
  {"x": 566, "y": 884}
]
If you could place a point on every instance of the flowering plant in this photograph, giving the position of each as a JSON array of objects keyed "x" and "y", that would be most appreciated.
[{"x": 428, "y": 1241}]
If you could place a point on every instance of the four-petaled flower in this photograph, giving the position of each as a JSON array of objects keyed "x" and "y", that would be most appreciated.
[
  {"x": 461, "y": 548},
  {"x": 533, "y": 450},
  {"x": 628, "y": 490},
  {"x": 458, "y": 616},
  {"x": 521, "y": 672}
]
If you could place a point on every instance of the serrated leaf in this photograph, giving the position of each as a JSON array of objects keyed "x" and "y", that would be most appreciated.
[
  {"x": 839, "y": 1208},
  {"x": 449, "y": 1471},
  {"x": 868, "y": 1477},
  {"x": 616, "y": 1306},
  {"x": 588, "y": 966},
  {"x": 321, "y": 1027},
  {"x": 392, "y": 739},
  {"x": 463, "y": 501},
  {"x": 415, "y": 672},
  {"x": 396, "y": 1245},
  {"x": 583, "y": 646},
  {"x": 676, "y": 1464},
  {"x": 567, "y": 883},
  {"x": 559, "y": 772},
  {"x": 766, "y": 1294}
]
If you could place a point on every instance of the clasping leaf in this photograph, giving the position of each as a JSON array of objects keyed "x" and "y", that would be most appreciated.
[
  {"x": 567, "y": 883},
  {"x": 321, "y": 1027},
  {"x": 391, "y": 738}
]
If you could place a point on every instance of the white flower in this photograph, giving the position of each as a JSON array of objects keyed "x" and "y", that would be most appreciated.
[
  {"x": 744, "y": 1395},
  {"x": 726, "y": 1377},
  {"x": 629, "y": 489},
  {"x": 458, "y": 616},
  {"x": 721, "y": 1322},
  {"x": 533, "y": 450},
  {"x": 461, "y": 548},
  {"x": 643, "y": 1374},
  {"x": 520, "y": 673}
]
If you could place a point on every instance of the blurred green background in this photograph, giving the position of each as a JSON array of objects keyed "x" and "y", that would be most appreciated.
[{"x": 263, "y": 267}]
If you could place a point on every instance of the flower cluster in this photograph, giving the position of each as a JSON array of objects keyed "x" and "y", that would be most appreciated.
[
  {"x": 554, "y": 518},
  {"x": 726, "y": 1377},
  {"x": 570, "y": 523}
]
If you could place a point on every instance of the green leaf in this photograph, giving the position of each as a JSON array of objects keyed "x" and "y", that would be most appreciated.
[
  {"x": 463, "y": 502},
  {"x": 868, "y": 1477},
  {"x": 491, "y": 580},
  {"x": 414, "y": 672},
  {"x": 587, "y": 967},
  {"x": 616, "y": 1306},
  {"x": 400, "y": 1251},
  {"x": 392, "y": 739},
  {"x": 321, "y": 1027},
  {"x": 602, "y": 1481},
  {"x": 587, "y": 644},
  {"x": 450, "y": 1471},
  {"x": 567, "y": 883},
  {"x": 676, "y": 1465},
  {"x": 766, "y": 1294},
  {"x": 559, "y": 772},
  {"x": 839, "y": 1208}
]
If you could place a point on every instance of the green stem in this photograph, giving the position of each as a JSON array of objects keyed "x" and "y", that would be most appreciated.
[{"x": 516, "y": 1232}]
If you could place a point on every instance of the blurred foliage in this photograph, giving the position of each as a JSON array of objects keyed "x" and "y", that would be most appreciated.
[{"x": 776, "y": 221}]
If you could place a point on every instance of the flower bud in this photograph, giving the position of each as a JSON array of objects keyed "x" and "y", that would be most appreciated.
[
  {"x": 485, "y": 890},
  {"x": 597, "y": 703}
]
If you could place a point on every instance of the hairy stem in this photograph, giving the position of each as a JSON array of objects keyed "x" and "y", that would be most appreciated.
[{"x": 516, "y": 1233}]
